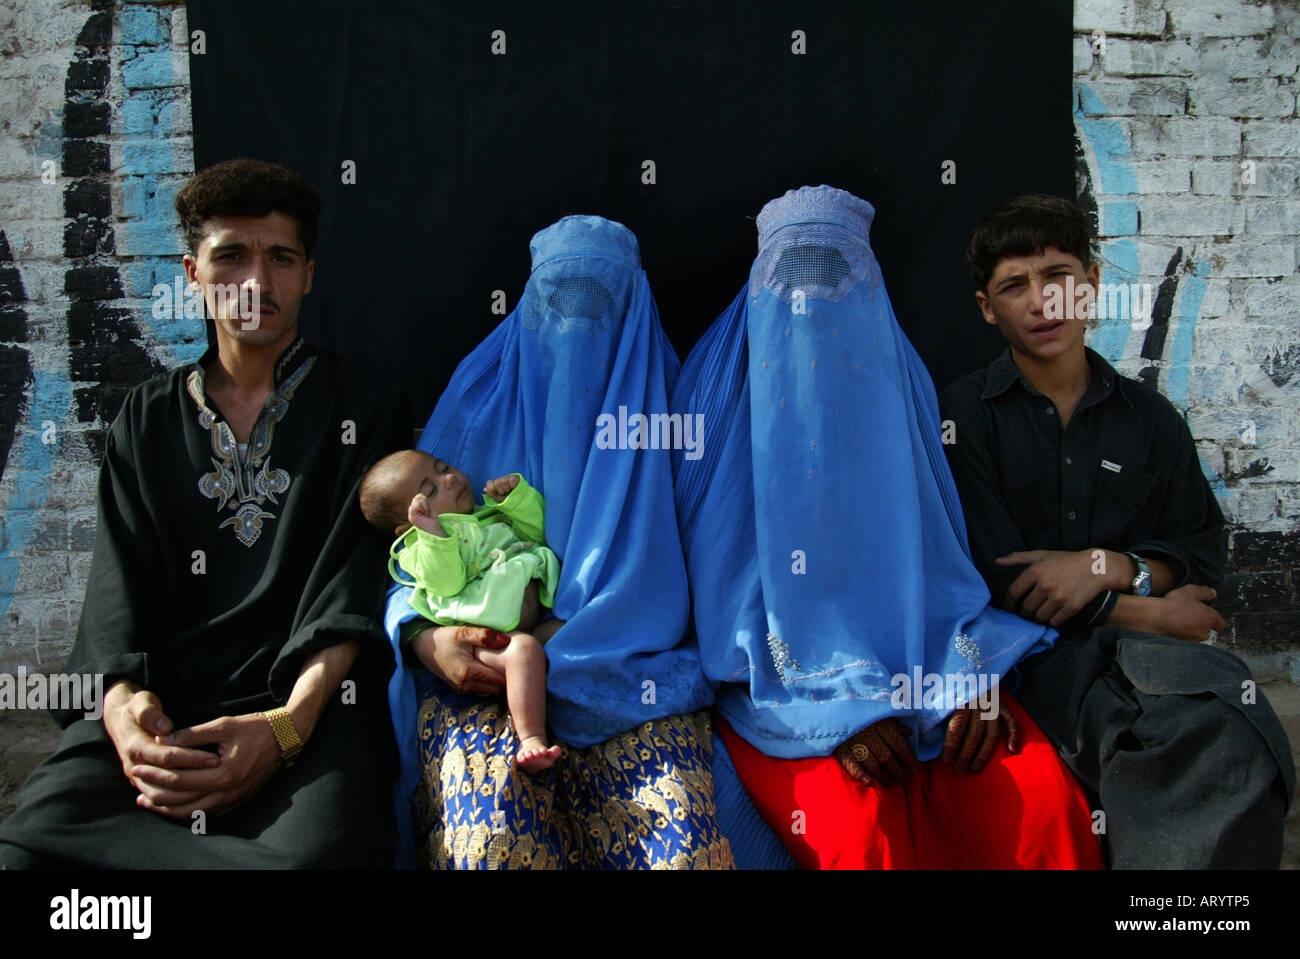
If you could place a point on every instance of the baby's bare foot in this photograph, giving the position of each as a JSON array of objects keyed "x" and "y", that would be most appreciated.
[{"x": 534, "y": 755}]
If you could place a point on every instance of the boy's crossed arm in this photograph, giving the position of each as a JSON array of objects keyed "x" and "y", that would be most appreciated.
[{"x": 1057, "y": 585}]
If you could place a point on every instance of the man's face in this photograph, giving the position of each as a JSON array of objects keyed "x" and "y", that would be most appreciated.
[
  {"x": 1018, "y": 293},
  {"x": 247, "y": 255}
]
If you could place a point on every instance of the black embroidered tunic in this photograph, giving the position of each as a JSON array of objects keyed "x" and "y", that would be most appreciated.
[{"x": 217, "y": 572}]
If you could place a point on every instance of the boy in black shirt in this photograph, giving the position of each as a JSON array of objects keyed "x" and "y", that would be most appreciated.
[{"x": 1087, "y": 509}]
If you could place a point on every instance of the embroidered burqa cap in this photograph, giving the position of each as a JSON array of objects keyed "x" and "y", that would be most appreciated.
[{"x": 824, "y": 537}]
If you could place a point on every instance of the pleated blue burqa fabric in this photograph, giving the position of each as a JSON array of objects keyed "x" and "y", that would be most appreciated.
[{"x": 824, "y": 537}]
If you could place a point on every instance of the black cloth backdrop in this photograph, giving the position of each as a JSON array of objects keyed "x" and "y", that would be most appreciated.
[{"x": 462, "y": 154}]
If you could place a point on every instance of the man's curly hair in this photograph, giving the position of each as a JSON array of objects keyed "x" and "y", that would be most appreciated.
[{"x": 245, "y": 187}]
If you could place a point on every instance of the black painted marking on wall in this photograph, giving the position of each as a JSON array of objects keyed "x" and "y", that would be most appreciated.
[
  {"x": 1262, "y": 599},
  {"x": 1256, "y": 467},
  {"x": 15, "y": 364},
  {"x": 1085, "y": 189},
  {"x": 105, "y": 355},
  {"x": 1153, "y": 344},
  {"x": 1282, "y": 365}
]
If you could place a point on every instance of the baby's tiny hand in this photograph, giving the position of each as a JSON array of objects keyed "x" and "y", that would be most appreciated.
[
  {"x": 500, "y": 488},
  {"x": 420, "y": 514}
]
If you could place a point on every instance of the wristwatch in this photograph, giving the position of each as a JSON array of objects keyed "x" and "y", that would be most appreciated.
[{"x": 1141, "y": 585}]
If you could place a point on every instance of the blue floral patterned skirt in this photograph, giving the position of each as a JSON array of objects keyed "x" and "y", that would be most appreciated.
[{"x": 641, "y": 800}]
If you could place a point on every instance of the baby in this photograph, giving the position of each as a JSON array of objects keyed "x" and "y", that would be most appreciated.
[{"x": 474, "y": 565}]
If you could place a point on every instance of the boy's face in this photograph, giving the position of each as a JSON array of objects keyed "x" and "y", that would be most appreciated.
[
  {"x": 448, "y": 488},
  {"x": 252, "y": 253},
  {"x": 1018, "y": 292}
]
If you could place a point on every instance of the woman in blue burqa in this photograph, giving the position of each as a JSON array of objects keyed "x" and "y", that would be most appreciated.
[
  {"x": 859, "y": 665},
  {"x": 627, "y": 698}
]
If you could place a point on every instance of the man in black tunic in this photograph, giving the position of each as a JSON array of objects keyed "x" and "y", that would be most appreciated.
[
  {"x": 232, "y": 596},
  {"x": 1087, "y": 509}
]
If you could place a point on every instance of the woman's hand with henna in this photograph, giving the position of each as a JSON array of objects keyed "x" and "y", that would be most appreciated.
[
  {"x": 973, "y": 736},
  {"x": 879, "y": 754},
  {"x": 447, "y": 652}
]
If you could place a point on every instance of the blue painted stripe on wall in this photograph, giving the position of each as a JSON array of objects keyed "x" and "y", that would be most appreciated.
[
  {"x": 1179, "y": 352},
  {"x": 1119, "y": 265},
  {"x": 51, "y": 399},
  {"x": 150, "y": 218},
  {"x": 1112, "y": 155},
  {"x": 1109, "y": 145}
]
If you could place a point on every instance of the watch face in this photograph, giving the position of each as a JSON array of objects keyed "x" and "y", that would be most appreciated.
[{"x": 1141, "y": 585}]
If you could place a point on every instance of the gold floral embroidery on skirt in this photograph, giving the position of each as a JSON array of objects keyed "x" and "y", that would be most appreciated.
[{"x": 641, "y": 800}]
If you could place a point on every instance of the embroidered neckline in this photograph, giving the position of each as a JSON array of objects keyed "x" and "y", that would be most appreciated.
[
  {"x": 245, "y": 484},
  {"x": 286, "y": 360}
]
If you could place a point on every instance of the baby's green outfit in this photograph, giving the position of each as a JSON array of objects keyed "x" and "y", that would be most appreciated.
[{"x": 478, "y": 572}]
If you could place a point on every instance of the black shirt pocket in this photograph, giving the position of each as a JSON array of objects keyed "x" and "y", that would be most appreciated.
[{"x": 1122, "y": 511}]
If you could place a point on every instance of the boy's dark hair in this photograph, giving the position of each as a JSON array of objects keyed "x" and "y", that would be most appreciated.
[
  {"x": 245, "y": 187},
  {"x": 1024, "y": 226}
]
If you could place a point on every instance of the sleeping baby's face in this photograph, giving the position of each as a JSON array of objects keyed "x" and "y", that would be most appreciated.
[{"x": 448, "y": 488}]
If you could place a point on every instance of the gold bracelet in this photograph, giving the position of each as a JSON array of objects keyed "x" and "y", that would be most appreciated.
[{"x": 286, "y": 734}]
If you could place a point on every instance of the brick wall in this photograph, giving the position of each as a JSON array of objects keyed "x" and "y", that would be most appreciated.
[
  {"x": 1188, "y": 157},
  {"x": 94, "y": 100}
]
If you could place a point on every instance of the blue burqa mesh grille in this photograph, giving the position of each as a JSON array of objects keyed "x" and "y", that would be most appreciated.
[
  {"x": 580, "y": 296},
  {"x": 811, "y": 268}
]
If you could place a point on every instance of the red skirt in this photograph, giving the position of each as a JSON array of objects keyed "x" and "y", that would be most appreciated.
[{"x": 1022, "y": 811}]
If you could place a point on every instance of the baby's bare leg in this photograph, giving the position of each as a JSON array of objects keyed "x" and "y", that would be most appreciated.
[
  {"x": 524, "y": 663},
  {"x": 531, "y": 610},
  {"x": 546, "y": 630}
]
